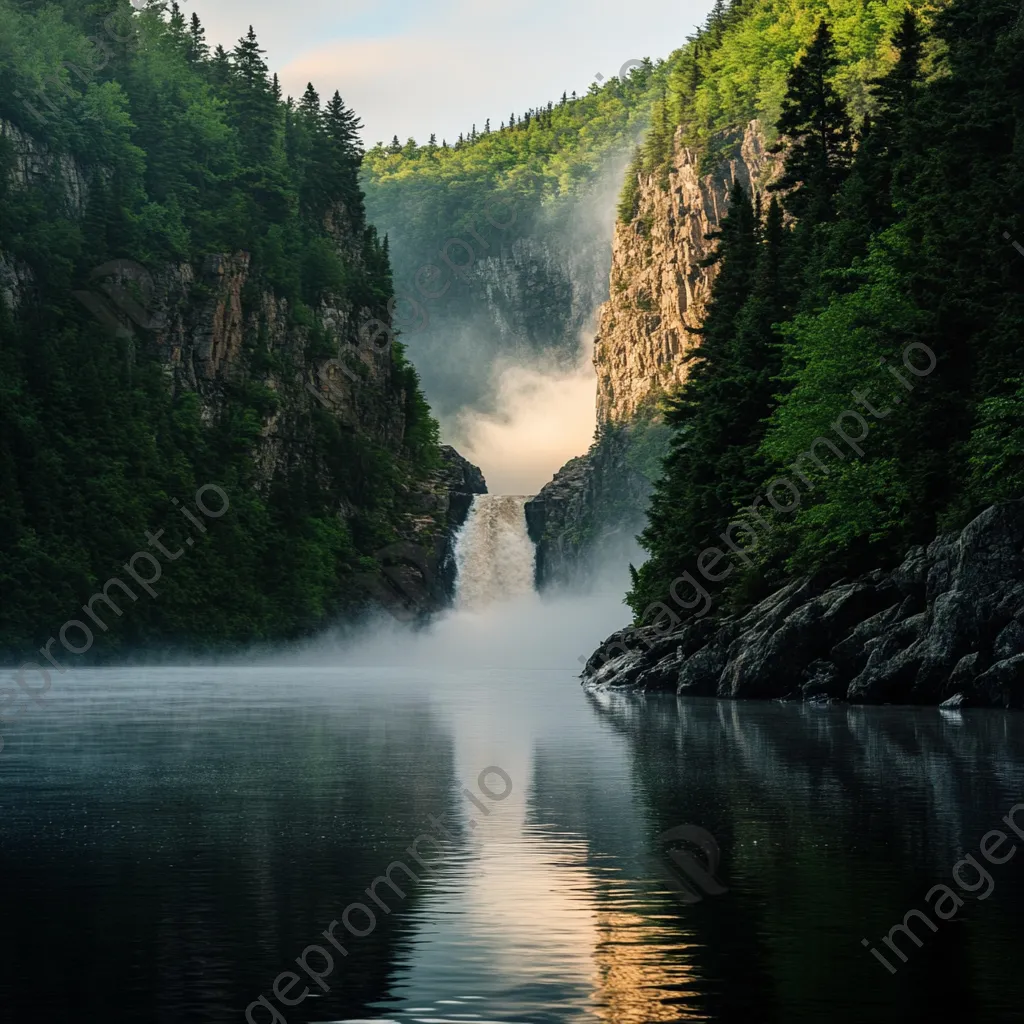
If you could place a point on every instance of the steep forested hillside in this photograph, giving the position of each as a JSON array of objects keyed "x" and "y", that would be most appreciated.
[
  {"x": 185, "y": 269},
  {"x": 859, "y": 378},
  {"x": 713, "y": 124},
  {"x": 515, "y": 219}
]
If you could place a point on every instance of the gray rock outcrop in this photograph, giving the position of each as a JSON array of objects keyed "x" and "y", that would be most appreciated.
[{"x": 946, "y": 626}]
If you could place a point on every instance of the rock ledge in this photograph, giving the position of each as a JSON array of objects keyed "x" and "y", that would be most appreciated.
[{"x": 946, "y": 626}]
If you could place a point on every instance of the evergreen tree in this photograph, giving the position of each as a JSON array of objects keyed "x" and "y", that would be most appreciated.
[
  {"x": 895, "y": 92},
  {"x": 345, "y": 153},
  {"x": 816, "y": 131},
  {"x": 309, "y": 108},
  {"x": 253, "y": 103},
  {"x": 197, "y": 51},
  {"x": 176, "y": 26},
  {"x": 220, "y": 68},
  {"x": 866, "y": 203}
]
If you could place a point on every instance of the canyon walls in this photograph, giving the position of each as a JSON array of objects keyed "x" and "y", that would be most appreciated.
[
  {"x": 659, "y": 287},
  {"x": 297, "y": 409}
]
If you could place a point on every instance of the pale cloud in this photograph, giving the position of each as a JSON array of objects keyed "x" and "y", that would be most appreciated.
[{"x": 411, "y": 68}]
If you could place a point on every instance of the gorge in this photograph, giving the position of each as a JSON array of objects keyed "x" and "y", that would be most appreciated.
[{"x": 329, "y": 469}]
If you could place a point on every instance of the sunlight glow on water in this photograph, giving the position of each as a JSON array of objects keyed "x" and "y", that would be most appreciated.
[{"x": 220, "y": 819}]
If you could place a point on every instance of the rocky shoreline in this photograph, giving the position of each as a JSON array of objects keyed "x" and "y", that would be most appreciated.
[{"x": 945, "y": 627}]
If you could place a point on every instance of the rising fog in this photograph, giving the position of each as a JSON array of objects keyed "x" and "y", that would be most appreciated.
[
  {"x": 541, "y": 415},
  {"x": 506, "y": 360}
]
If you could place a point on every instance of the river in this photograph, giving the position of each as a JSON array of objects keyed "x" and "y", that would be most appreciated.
[{"x": 176, "y": 842}]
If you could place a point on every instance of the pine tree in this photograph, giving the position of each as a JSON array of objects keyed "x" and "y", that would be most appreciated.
[
  {"x": 176, "y": 23},
  {"x": 309, "y": 107},
  {"x": 866, "y": 204},
  {"x": 716, "y": 23},
  {"x": 220, "y": 68},
  {"x": 253, "y": 104},
  {"x": 197, "y": 51},
  {"x": 817, "y": 135},
  {"x": 895, "y": 91},
  {"x": 344, "y": 154}
]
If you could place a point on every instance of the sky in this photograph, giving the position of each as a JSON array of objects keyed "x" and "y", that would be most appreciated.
[{"x": 411, "y": 67}]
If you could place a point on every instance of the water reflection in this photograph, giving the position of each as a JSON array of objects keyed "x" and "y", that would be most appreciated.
[{"x": 195, "y": 830}]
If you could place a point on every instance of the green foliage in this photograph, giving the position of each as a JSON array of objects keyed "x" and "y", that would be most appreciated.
[
  {"x": 898, "y": 299},
  {"x": 816, "y": 133},
  {"x": 629, "y": 198},
  {"x": 995, "y": 452},
  {"x": 741, "y": 70},
  {"x": 184, "y": 154},
  {"x": 428, "y": 193}
]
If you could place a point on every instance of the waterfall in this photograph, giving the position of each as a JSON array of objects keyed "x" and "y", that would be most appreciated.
[{"x": 493, "y": 552}]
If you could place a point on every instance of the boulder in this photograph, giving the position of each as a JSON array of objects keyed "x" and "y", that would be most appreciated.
[{"x": 945, "y": 625}]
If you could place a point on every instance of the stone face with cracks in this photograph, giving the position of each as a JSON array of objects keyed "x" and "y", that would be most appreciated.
[{"x": 947, "y": 625}]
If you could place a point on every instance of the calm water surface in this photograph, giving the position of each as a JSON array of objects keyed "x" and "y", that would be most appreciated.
[{"x": 173, "y": 839}]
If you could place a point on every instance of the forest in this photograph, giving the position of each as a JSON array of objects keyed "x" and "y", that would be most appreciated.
[
  {"x": 895, "y": 228},
  {"x": 886, "y": 250},
  {"x": 125, "y": 136}
]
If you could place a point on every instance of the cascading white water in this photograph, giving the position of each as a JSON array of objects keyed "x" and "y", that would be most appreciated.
[{"x": 493, "y": 552}]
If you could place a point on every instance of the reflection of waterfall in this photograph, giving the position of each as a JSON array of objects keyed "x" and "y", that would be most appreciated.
[{"x": 494, "y": 553}]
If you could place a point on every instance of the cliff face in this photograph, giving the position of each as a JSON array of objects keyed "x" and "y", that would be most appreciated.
[
  {"x": 646, "y": 329},
  {"x": 659, "y": 290},
  {"x": 218, "y": 331},
  {"x": 589, "y": 514},
  {"x": 210, "y": 324}
]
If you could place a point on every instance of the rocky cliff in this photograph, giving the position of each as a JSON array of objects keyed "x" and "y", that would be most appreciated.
[
  {"x": 588, "y": 516},
  {"x": 659, "y": 288},
  {"x": 222, "y": 333},
  {"x": 945, "y": 626},
  {"x": 658, "y": 293}
]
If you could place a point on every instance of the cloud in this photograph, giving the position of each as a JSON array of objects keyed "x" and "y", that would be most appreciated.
[{"x": 411, "y": 68}]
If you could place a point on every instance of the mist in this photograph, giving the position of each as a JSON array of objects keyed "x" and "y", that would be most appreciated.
[
  {"x": 543, "y": 415},
  {"x": 521, "y": 631},
  {"x": 498, "y": 620},
  {"x": 506, "y": 358}
]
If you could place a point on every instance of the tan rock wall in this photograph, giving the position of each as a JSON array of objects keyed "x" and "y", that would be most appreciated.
[{"x": 659, "y": 291}]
